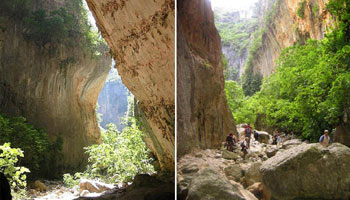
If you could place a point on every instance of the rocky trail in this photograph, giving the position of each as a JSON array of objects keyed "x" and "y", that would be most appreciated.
[
  {"x": 291, "y": 170},
  {"x": 56, "y": 190}
]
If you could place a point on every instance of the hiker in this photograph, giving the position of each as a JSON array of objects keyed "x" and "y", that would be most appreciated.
[
  {"x": 244, "y": 146},
  {"x": 292, "y": 134},
  {"x": 325, "y": 140},
  {"x": 230, "y": 142},
  {"x": 248, "y": 133},
  {"x": 256, "y": 135},
  {"x": 275, "y": 137},
  {"x": 5, "y": 190}
]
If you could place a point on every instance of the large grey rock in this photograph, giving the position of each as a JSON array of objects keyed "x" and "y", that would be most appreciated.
[
  {"x": 264, "y": 137},
  {"x": 309, "y": 171},
  {"x": 271, "y": 151},
  {"x": 342, "y": 134},
  {"x": 229, "y": 155},
  {"x": 291, "y": 143},
  {"x": 234, "y": 171},
  {"x": 253, "y": 174},
  {"x": 209, "y": 184}
]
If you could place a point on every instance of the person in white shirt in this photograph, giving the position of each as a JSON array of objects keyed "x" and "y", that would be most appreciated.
[{"x": 325, "y": 140}]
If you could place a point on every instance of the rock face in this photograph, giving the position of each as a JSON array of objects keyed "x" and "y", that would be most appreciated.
[
  {"x": 54, "y": 86},
  {"x": 287, "y": 28},
  {"x": 141, "y": 37},
  {"x": 113, "y": 101},
  {"x": 204, "y": 118},
  {"x": 342, "y": 134},
  {"x": 309, "y": 171}
]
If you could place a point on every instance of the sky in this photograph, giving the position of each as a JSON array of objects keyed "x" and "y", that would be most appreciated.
[{"x": 233, "y": 4}]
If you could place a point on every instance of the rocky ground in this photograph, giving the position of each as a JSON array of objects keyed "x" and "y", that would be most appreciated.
[
  {"x": 55, "y": 190},
  {"x": 292, "y": 170},
  {"x": 146, "y": 187}
]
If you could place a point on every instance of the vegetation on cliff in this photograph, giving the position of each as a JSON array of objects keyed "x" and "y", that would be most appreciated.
[
  {"x": 309, "y": 91},
  {"x": 67, "y": 25}
]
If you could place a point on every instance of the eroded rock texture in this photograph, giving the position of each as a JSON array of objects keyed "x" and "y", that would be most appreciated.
[
  {"x": 287, "y": 28},
  {"x": 203, "y": 116},
  {"x": 141, "y": 37},
  {"x": 309, "y": 171},
  {"x": 54, "y": 86}
]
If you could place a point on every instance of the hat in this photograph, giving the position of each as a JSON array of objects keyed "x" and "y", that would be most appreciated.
[{"x": 326, "y": 130}]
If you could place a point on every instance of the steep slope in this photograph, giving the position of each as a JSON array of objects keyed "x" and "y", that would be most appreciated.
[
  {"x": 203, "y": 115},
  {"x": 235, "y": 32},
  {"x": 141, "y": 37},
  {"x": 53, "y": 84},
  {"x": 284, "y": 27}
]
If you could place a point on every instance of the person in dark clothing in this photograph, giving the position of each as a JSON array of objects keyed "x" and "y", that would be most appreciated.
[
  {"x": 248, "y": 133},
  {"x": 5, "y": 190},
  {"x": 230, "y": 142},
  {"x": 244, "y": 146},
  {"x": 256, "y": 135}
]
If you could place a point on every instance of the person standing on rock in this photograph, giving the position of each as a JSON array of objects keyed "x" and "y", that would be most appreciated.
[
  {"x": 230, "y": 142},
  {"x": 325, "y": 140},
  {"x": 244, "y": 146},
  {"x": 248, "y": 133}
]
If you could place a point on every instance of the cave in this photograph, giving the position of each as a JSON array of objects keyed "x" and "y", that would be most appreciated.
[{"x": 54, "y": 81}]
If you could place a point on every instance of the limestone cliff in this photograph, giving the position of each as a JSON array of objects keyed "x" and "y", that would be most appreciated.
[
  {"x": 141, "y": 37},
  {"x": 113, "y": 101},
  {"x": 54, "y": 86},
  {"x": 203, "y": 117},
  {"x": 286, "y": 28}
]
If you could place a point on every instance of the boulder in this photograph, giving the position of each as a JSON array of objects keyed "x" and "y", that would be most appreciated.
[
  {"x": 291, "y": 143},
  {"x": 271, "y": 151},
  {"x": 230, "y": 155},
  {"x": 234, "y": 171},
  {"x": 260, "y": 191},
  {"x": 342, "y": 134},
  {"x": 39, "y": 186},
  {"x": 264, "y": 137},
  {"x": 93, "y": 186},
  {"x": 190, "y": 168},
  {"x": 309, "y": 171},
  {"x": 209, "y": 184},
  {"x": 253, "y": 174}
]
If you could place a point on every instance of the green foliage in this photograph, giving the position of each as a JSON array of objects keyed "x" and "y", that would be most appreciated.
[
  {"x": 14, "y": 173},
  {"x": 315, "y": 11},
  {"x": 236, "y": 34},
  {"x": 251, "y": 81},
  {"x": 39, "y": 152},
  {"x": 72, "y": 180},
  {"x": 301, "y": 9},
  {"x": 49, "y": 28},
  {"x": 310, "y": 90},
  {"x": 118, "y": 159},
  {"x": 68, "y": 25}
]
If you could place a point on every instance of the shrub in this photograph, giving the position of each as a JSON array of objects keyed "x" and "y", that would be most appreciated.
[
  {"x": 15, "y": 174},
  {"x": 39, "y": 153}
]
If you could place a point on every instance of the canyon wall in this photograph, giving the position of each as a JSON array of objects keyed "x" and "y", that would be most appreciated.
[
  {"x": 55, "y": 86},
  {"x": 287, "y": 28},
  {"x": 141, "y": 37},
  {"x": 113, "y": 101},
  {"x": 203, "y": 116}
]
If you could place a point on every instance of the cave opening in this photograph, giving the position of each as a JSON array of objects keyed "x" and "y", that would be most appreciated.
[{"x": 49, "y": 120}]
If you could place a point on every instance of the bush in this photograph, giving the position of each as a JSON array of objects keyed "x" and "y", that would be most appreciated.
[
  {"x": 39, "y": 153},
  {"x": 121, "y": 155},
  {"x": 15, "y": 174},
  {"x": 118, "y": 159}
]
